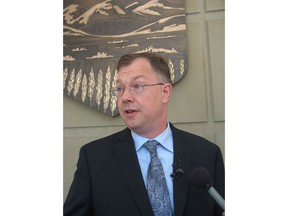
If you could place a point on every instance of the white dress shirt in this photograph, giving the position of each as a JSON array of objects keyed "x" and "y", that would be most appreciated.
[{"x": 165, "y": 154}]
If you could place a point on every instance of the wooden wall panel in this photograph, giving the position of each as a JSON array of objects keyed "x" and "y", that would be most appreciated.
[
  {"x": 193, "y": 6},
  {"x": 216, "y": 60},
  {"x": 212, "y": 5},
  {"x": 189, "y": 98},
  {"x": 77, "y": 114}
]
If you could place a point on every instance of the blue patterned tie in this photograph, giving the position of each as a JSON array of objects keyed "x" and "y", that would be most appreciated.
[{"x": 156, "y": 183}]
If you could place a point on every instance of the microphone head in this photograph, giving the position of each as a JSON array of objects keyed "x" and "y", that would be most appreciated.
[{"x": 200, "y": 178}]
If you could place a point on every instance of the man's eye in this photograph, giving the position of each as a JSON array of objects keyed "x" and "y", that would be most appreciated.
[
  {"x": 137, "y": 86},
  {"x": 119, "y": 89}
]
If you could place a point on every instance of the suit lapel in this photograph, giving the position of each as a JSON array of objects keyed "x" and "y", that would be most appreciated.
[
  {"x": 127, "y": 157},
  {"x": 180, "y": 185}
]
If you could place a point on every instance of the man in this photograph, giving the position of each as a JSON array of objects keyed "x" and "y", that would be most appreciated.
[{"x": 118, "y": 174}]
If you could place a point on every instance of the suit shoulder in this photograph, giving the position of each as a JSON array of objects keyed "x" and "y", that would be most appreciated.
[
  {"x": 107, "y": 140},
  {"x": 194, "y": 139}
]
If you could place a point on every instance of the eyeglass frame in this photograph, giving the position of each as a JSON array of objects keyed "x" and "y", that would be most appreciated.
[{"x": 115, "y": 91}]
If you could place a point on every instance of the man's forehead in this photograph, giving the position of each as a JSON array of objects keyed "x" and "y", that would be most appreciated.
[{"x": 132, "y": 77}]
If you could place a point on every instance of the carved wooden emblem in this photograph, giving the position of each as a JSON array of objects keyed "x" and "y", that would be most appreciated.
[{"x": 97, "y": 33}]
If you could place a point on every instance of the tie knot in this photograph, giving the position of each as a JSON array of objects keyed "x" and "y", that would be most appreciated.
[{"x": 151, "y": 145}]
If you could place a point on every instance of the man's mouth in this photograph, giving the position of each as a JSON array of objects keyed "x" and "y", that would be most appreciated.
[{"x": 130, "y": 111}]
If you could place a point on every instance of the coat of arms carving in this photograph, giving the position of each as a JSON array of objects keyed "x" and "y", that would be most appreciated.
[{"x": 97, "y": 33}]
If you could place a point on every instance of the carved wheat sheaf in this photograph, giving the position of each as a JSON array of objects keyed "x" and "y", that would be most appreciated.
[
  {"x": 65, "y": 75},
  {"x": 113, "y": 103},
  {"x": 99, "y": 88},
  {"x": 182, "y": 67},
  {"x": 77, "y": 83},
  {"x": 91, "y": 85},
  {"x": 107, "y": 89},
  {"x": 84, "y": 88},
  {"x": 172, "y": 71},
  {"x": 71, "y": 81}
]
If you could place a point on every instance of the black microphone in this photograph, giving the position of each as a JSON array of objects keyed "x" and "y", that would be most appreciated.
[
  {"x": 200, "y": 178},
  {"x": 179, "y": 171}
]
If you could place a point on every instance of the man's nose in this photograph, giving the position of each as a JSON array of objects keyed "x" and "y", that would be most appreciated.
[{"x": 127, "y": 95}]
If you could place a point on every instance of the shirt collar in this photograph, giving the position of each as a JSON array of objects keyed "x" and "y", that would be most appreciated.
[{"x": 162, "y": 138}]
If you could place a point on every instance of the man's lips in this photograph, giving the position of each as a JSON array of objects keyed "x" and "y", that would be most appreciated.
[{"x": 130, "y": 111}]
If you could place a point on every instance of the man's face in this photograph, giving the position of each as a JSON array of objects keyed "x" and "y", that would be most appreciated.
[{"x": 144, "y": 113}]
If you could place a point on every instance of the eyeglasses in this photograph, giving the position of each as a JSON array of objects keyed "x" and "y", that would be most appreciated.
[{"x": 134, "y": 89}]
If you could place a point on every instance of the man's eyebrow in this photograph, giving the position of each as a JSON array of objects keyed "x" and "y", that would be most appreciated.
[{"x": 138, "y": 77}]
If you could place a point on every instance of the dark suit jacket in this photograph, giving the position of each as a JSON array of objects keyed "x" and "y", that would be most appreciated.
[{"x": 108, "y": 180}]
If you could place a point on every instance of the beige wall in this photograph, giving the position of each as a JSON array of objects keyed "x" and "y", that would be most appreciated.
[{"x": 197, "y": 103}]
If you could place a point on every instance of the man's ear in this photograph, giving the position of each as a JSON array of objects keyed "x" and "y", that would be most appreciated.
[{"x": 166, "y": 91}]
